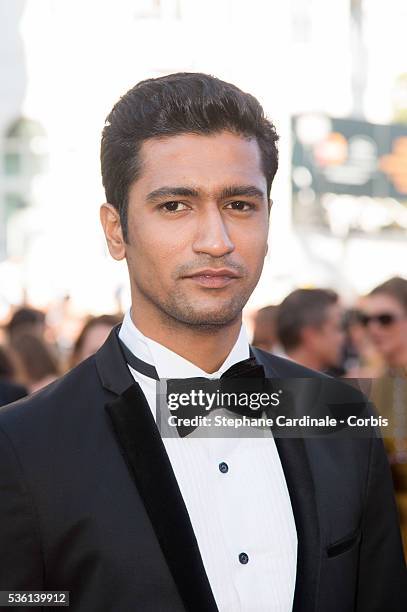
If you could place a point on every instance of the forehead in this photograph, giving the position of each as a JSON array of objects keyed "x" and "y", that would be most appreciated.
[
  {"x": 382, "y": 301},
  {"x": 201, "y": 161}
]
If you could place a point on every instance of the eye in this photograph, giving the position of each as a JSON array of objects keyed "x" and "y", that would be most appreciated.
[
  {"x": 240, "y": 206},
  {"x": 173, "y": 207}
]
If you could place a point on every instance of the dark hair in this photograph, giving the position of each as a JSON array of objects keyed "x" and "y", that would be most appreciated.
[
  {"x": 171, "y": 105},
  {"x": 24, "y": 319},
  {"x": 36, "y": 357},
  {"x": 396, "y": 288},
  {"x": 302, "y": 308}
]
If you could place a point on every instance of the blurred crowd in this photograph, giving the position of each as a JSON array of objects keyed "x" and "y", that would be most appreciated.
[
  {"x": 367, "y": 341},
  {"x": 312, "y": 327},
  {"x": 34, "y": 351}
]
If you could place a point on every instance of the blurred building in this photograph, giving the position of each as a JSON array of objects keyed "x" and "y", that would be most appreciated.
[
  {"x": 348, "y": 217},
  {"x": 63, "y": 64}
]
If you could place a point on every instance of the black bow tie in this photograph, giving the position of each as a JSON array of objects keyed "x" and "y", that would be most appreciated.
[{"x": 245, "y": 376}]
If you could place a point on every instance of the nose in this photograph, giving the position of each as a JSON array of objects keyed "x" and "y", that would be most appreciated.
[
  {"x": 377, "y": 332},
  {"x": 212, "y": 236}
]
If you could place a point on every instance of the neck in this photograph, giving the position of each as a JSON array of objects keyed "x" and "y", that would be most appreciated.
[
  {"x": 304, "y": 357},
  {"x": 205, "y": 347}
]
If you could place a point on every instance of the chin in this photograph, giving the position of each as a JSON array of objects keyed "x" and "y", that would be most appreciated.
[
  {"x": 203, "y": 313},
  {"x": 205, "y": 319},
  {"x": 212, "y": 311}
]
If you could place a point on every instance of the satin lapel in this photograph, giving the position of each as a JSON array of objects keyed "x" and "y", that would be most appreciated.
[
  {"x": 298, "y": 475},
  {"x": 300, "y": 485},
  {"x": 148, "y": 462}
]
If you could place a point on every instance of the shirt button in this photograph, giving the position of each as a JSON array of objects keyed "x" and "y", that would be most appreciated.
[
  {"x": 243, "y": 558},
  {"x": 223, "y": 467}
]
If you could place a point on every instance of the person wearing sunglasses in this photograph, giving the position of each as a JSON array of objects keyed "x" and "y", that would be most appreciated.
[{"x": 385, "y": 317}]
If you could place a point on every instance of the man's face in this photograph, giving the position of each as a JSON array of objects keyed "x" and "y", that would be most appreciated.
[{"x": 197, "y": 227}]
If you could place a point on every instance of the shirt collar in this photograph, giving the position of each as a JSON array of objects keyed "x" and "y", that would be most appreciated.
[{"x": 169, "y": 364}]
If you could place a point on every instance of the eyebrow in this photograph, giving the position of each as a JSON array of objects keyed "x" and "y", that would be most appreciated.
[
  {"x": 172, "y": 192},
  {"x": 242, "y": 190},
  {"x": 188, "y": 192}
]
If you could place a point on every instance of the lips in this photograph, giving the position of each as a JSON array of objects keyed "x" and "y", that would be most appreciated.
[{"x": 213, "y": 279}]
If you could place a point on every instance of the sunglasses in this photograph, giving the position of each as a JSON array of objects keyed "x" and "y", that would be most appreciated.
[{"x": 385, "y": 319}]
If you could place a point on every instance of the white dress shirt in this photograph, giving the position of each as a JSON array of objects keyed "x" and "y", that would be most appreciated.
[{"x": 241, "y": 516}]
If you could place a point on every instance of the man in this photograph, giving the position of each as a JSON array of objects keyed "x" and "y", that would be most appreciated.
[
  {"x": 309, "y": 326},
  {"x": 94, "y": 501}
]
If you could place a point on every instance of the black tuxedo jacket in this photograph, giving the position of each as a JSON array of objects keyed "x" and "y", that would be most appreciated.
[{"x": 89, "y": 504}]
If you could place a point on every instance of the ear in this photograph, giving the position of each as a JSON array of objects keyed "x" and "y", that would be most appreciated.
[{"x": 110, "y": 219}]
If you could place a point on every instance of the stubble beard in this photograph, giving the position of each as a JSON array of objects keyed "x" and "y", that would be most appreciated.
[{"x": 178, "y": 311}]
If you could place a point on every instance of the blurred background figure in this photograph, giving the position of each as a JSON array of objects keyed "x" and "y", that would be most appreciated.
[
  {"x": 9, "y": 390},
  {"x": 26, "y": 320},
  {"x": 92, "y": 336},
  {"x": 361, "y": 359},
  {"x": 385, "y": 318},
  {"x": 309, "y": 327},
  {"x": 265, "y": 333},
  {"x": 37, "y": 363}
]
